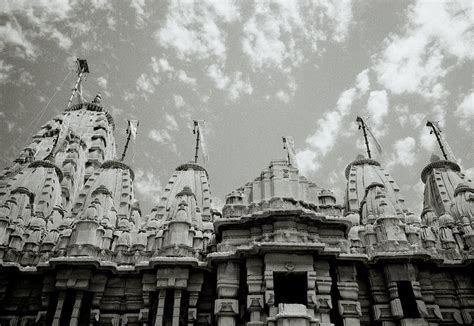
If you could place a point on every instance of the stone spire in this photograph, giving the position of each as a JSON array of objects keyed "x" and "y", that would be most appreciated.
[
  {"x": 181, "y": 224},
  {"x": 448, "y": 205}
]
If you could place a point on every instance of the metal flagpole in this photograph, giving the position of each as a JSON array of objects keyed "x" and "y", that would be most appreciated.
[
  {"x": 82, "y": 69},
  {"x": 362, "y": 125},
  {"x": 198, "y": 133},
  {"x": 436, "y": 131}
]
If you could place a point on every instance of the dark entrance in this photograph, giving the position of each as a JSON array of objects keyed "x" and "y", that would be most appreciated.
[
  {"x": 290, "y": 287},
  {"x": 408, "y": 300}
]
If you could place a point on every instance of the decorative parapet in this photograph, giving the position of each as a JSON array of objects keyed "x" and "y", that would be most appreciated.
[
  {"x": 117, "y": 165},
  {"x": 442, "y": 164},
  {"x": 48, "y": 164},
  {"x": 361, "y": 161},
  {"x": 95, "y": 108}
]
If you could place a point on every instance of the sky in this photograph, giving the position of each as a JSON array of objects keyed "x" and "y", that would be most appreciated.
[{"x": 254, "y": 71}]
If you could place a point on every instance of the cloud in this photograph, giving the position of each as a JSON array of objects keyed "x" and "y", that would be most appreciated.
[
  {"x": 12, "y": 35},
  {"x": 427, "y": 140},
  {"x": 182, "y": 76},
  {"x": 144, "y": 84},
  {"x": 147, "y": 184},
  {"x": 416, "y": 61},
  {"x": 163, "y": 137},
  {"x": 194, "y": 30},
  {"x": 234, "y": 84},
  {"x": 179, "y": 101},
  {"x": 377, "y": 105},
  {"x": 465, "y": 112},
  {"x": 159, "y": 136},
  {"x": 363, "y": 82},
  {"x": 102, "y": 82},
  {"x": 217, "y": 203},
  {"x": 139, "y": 6},
  {"x": 5, "y": 71},
  {"x": 277, "y": 32},
  {"x": 328, "y": 127},
  {"x": 171, "y": 123},
  {"x": 307, "y": 161},
  {"x": 404, "y": 151}
]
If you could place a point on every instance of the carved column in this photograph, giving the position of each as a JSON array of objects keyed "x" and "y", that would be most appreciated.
[
  {"x": 255, "y": 301},
  {"x": 176, "y": 307},
  {"x": 160, "y": 310},
  {"x": 349, "y": 305},
  {"x": 227, "y": 306},
  {"x": 194, "y": 287},
  {"x": 323, "y": 292},
  {"x": 464, "y": 286},
  {"x": 76, "y": 308},
  {"x": 59, "y": 308}
]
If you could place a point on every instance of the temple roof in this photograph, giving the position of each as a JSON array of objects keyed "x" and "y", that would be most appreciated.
[
  {"x": 188, "y": 179},
  {"x": 360, "y": 175}
]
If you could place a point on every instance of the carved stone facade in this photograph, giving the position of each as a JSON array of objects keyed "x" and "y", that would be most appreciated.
[{"x": 75, "y": 248}]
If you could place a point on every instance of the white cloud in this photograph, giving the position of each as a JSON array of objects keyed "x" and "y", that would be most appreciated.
[
  {"x": 179, "y": 101},
  {"x": 217, "y": 75},
  {"x": 329, "y": 126},
  {"x": 239, "y": 86},
  {"x": 234, "y": 84},
  {"x": 217, "y": 203},
  {"x": 12, "y": 34},
  {"x": 102, "y": 82},
  {"x": 5, "y": 70},
  {"x": 377, "y": 105},
  {"x": 159, "y": 136},
  {"x": 363, "y": 82},
  {"x": 277, "y": 32},
  {"x": 416, "y": 61},
  {"x": 147, "y": 184},
  {"x": 307, "y": 161},
  {"x": 404, "y": 151},
  {"x": 171, "y": 122},
  {"x": 163, "y": 137},
  {"x": 186, "y": 79},
  {"x": 427, "y": 140},
  {"x": 465, "y": 112},
  {"x": 194, "y": 30},
  {"x": 283, "y": 96},
  {"x": 144, "y": 84},
  {"x": 139, "y": 6}
]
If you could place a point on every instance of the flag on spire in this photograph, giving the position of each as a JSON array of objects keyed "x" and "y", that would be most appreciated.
[
  {"x": 289, "y": 145},
  {"x": 132, "y": 128}
]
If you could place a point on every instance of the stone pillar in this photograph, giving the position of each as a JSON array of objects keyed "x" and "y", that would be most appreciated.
[
  {"x": 76, "y": 308},
  {"x": 59, "y": 308},
  {"x": 323, "y": 292},
  {"x": 176, "y": 307},
  {"x": 194, "y": 288},
  {"x": 160, "y": 310},
  {"x": 255, "y": 302},
  {"x": 349, "y": 305},
  {"x": 226, "y": 305}
]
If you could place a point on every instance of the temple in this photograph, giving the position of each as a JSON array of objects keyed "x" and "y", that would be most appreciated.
[{"x": 76, "y": 248}]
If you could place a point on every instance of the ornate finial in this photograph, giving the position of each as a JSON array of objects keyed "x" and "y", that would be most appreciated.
[
  {"x": 434, "y": 158},
  {"x": 97, "y": 99}
]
